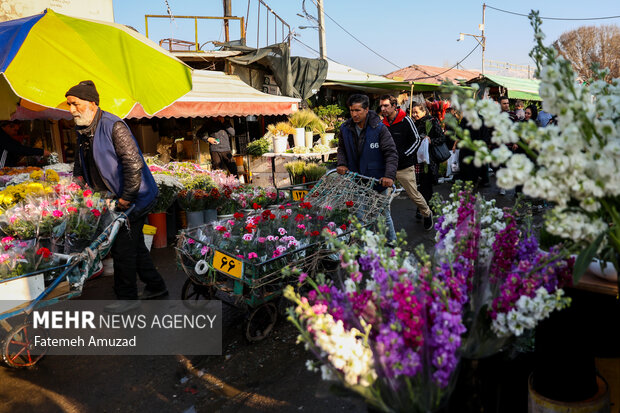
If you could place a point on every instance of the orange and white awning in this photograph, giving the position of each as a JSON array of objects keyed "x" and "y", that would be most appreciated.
[{"x": 218, "y": 94}]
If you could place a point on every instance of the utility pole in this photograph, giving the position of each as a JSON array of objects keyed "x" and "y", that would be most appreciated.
[
  {"x": 322, "y": 45},
  {"x": 227, "y": 13},
  {"x": 484, "y": 39}
]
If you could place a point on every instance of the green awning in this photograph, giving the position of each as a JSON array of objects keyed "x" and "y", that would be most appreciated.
[
  {"x": 384, "y": 85},
  {"x": 517, "y": 88}
]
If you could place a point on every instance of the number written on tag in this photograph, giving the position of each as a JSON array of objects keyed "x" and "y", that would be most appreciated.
[
  {"x": 227, "y": 264},
  {"x": 298, "y": 195},
  {"x": 374, "y": 145}
]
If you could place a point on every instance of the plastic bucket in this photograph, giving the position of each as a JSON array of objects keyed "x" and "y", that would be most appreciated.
[
  {"x": 599, "y": 403},
  {"x": 160, "y": 239},
  {"x": 210, "y": 215},
  {"x": 279, "y": 144},
  {"x": 300, "y": 137},
  {"x": 195, "y": 219},
  {"x": 309, "y": 139}
]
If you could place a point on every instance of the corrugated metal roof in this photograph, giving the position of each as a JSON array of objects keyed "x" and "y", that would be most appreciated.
[{"x": 431, "y": 74}]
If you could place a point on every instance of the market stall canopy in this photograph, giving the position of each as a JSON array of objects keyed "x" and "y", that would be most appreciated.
[
  {"x": 348, "y": 77},
  {"x": 42, "y": 56},
  {"x": 219, "y": 94},
  {"x": 517, "y": 88}
]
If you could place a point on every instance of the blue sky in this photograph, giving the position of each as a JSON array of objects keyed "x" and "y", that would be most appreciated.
[{"x": 404, "y": 32}]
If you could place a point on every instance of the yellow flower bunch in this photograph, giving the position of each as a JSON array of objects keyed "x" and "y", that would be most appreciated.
[
  {"x": 51, "y": 176},
  {"x": 15, "y": 193},
  {"x": 37, "y": 175}
]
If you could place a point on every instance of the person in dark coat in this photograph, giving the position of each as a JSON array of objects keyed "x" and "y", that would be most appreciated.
[
  {"x": 366, "y": 147},
  {"x": 218, "y": 133},
  {"x": 429, "y": 126},
  {"x": 407, "y": 140},
  {"x": 11, "y": 150},
  {"x": 108, "y": 159}
]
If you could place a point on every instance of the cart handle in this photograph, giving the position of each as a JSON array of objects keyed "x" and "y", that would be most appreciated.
[{"x": 354, "y": 174}]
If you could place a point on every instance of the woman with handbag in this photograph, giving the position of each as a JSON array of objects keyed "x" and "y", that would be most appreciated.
[{"x": 429, "y": 126}]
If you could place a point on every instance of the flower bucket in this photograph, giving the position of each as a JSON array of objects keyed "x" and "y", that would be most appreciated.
[
  {"x": 279, "y": 144},
  {"x": 75, "y": 245},
  {"x": 158, "y": 220},
  {"x": 195, "y": 219},
  {"x": 209, "y": 215},
  {"x": 327, "y": 137},
  {"x": 300, "y": 137},
  {"x": 309, "y": 139}
]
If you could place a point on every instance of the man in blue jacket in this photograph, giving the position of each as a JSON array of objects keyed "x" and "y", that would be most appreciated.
[
  {"x": 108, "y": 159},
  {"x": 366, "y": 147}
]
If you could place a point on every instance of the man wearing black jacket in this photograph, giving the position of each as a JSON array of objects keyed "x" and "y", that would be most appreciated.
[
  {"x": 366, "y": 147},
  {"x": 407, "y": 140},
  {"x": 108, "y": 159}
]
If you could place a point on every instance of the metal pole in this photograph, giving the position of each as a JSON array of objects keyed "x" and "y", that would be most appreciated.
[
  {"x": 322, "y": 45},
  {"x": 196, "y": 32},
  {"x": 484, "y": 40},
  {"x": 411, "y": 100}
]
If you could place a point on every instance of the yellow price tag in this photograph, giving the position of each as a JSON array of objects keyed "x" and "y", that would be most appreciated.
[
  {"x": 227, "y": 264},
  {"x": 298, "y": 195}
]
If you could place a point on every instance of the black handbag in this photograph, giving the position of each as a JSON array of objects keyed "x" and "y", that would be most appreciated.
[{"x": 439, "y": 153}]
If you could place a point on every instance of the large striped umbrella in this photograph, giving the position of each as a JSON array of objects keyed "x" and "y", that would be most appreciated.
[{"x": 42, "y": 56}]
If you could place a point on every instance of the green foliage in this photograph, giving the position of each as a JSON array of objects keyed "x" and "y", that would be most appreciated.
[
  {"x": 329, "y": 115},
  {"x": 333, "y": 143},
  {"x": 314, "y": 172},
  {"x": 259, "y": 147},
  {"x": 295, "y": 171}
]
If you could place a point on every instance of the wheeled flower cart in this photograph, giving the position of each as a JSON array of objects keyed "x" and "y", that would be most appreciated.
[
  {"x": 47, "y": 287},
  {"x": 219, "y": 266}
]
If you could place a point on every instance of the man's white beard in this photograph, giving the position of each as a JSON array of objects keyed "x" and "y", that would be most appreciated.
[{"x": 84, "y": 119}]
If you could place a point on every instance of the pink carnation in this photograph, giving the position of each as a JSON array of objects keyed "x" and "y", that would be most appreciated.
[{"x": 252, "y": 255}]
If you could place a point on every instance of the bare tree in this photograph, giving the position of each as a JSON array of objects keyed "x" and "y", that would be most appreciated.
[{"x": 591, "y": 44}]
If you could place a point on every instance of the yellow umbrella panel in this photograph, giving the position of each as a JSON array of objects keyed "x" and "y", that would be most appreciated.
[{"x": 59, "y": 51}]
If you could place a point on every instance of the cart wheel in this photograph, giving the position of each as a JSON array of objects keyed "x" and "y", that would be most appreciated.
[
  {"x": 194, "y": 295},
  {"x": 17, "y": 345},
  {"x": 261, "y": 322}
]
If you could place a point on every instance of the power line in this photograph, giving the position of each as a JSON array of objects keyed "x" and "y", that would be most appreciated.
[
  {"x": 314, "y": 50},
  {"x": 553, "y": 18},
  {"x": 358, "y": 40},
  {"x": 447, "y": 70}
]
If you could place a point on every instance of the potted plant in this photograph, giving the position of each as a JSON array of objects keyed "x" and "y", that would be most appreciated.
[
  {"x": 301, "y": 120},
  {"x": 295, "y": 171},
  {"x": 329, "y": 115},
  {"x": 259, "y": 147},
  {"x": 313, "y": 171},
  {"x": 280, "y": 132}
]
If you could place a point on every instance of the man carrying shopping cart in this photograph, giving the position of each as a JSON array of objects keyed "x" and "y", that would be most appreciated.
[
  {"x": 366, "y": 147},
  {"x": 108, "y": 159}
]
